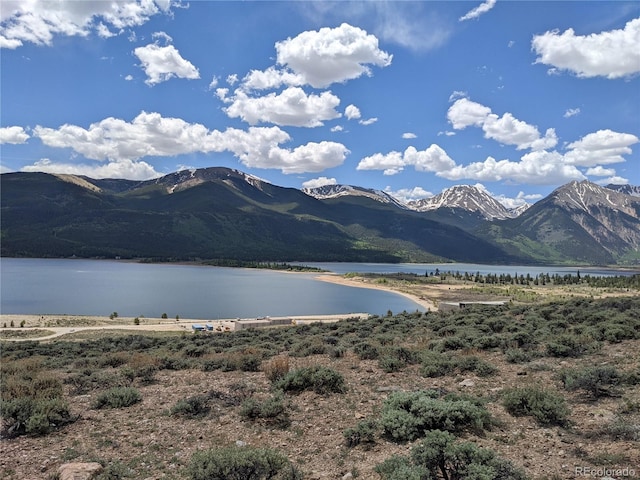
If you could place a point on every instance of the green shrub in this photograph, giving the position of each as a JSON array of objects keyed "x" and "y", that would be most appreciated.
[
  {"x": 440, "y": 456},
  {"x": 272, "y": 411},
  {"x": 516, "y": 355},
  {"x": 117, "y": 397},
  {"x": 547, "y": 407},
  {"x": 320, "y": 379},
  {"x": 595, "y": 381},
  {"x": 436, "y": 364},
  {"x": 233, "y": 463},
  {"x": 27, "y": 415},
  {"x": 364, "y": 432},
  {"x": 192, "y": 407},
  {"x": 568, "y": 345},
  {"x": 366, "y": 351},
  {"x": 409, "y": 415}
]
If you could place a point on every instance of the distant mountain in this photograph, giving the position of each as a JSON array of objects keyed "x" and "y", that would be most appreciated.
[
  {"x": 633, "y": 190},
  {"x": 464, "y": 197},
  {"x": 580, "y": 221},
  {"x": 334, "y": 191},
  {"x": 218, "y": 213},
  {"x": 519, "y": 210}
]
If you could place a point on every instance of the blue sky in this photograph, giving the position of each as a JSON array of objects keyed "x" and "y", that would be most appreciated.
[{"x": 407, "y": 97}]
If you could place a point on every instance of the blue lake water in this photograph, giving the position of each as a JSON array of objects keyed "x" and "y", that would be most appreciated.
[{"x": 99, "y": 287}]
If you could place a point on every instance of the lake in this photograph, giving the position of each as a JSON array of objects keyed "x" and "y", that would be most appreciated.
[{"x": 100, "y": 287}]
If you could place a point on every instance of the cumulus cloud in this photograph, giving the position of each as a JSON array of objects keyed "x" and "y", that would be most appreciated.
[
  {"x": 118, "y": 169},
  {"x": 506, "y": 129},
  {"x": 600, "y": 171},
  {"x": 271, "y": 78},
  {"x": 150, "y": 134},
  {"x": 319, "y": 182},
  {"x": 331, "y": 55},
  {"x": 433, "y": 159},
  {"x": 603, "y": 147},
  {"x": 292, "y": 107},
  {"x": 612, "y": 54},
  {"x": 13, "y": 135},
  {"x": 479, "y": 10},
  {"x": 163, "y": 63},
  {"x": 352, "y": 112},
  {"x": 538, "y": 167},
  {"x": 409, "y": 135},
  {"x": 406, "y": 195},
  {"x": 615, "y": 180},
  {"x": 39, "y": 21},
  {"x": 520, "y": 199}
]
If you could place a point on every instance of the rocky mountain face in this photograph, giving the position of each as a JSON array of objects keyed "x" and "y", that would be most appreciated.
[
  {"x": 580, "y": 220},
  {"x": 465, "y": 197},
  {"x": 335, "y": 191},
  {"x": 633, "y": 190}
]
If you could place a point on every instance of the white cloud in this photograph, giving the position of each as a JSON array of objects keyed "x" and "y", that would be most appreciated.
[
  {"x": 506, "y": 129},
  {"x": 232, "y": 79},
  {"x": 433, "y": 159},
  {"x": 447, "y": 133},
  {"x": 603, "y": 147},
  {"x": 331, "y": 55},
  {"x": 128, "y": 78},
  {"x": 214, "y": 83},
  {"x": 38, "y": 21},
  {"x": 271, "y": 78},
  {"x": 479, "y": 10},
  {"x": 409, "y": 135},
  {"x": 162, "y": 36},
  {"x": 520, "y": 199},
  {"x": 117, "y": 169},
  {"x": 538, "y": 168},
  {"x": 600, "y": 171},
  {"x": 392, "y": 163},
  {"x": 464, "y": 113},
  {"x": 352, "y": 112},
  {"x": 13, "y": 135},
  {"x": 612, "y": 54},
  {"x": 615, "y": 180},
  {"x": 163, "y": 63},
  {"x": 337, "y": 128},
  {"x": 292, "y": 107},
  {"x": 571, "y": 112},
  {"x": 319, "y": 182},
  {"x": 368, "y": 121},
  {"x": 406, "y": 195},
  {"x": 150, "y": 134}
]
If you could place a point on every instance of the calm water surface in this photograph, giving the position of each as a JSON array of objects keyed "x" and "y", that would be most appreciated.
[{"x": 98, "y": 287}]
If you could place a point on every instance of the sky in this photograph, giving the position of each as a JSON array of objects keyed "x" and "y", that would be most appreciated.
[{"x": 408, "y": 97}]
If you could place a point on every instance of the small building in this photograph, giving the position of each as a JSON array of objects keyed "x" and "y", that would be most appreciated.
[
  {"x": 448, "y": 306},
  {"x": 197, "y": 327}
]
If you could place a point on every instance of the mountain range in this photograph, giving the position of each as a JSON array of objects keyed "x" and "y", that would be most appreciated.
[{"x": 220, "y": 213}]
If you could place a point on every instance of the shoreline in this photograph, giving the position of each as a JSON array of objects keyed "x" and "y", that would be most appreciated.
[{"x": 341, "y": 280}]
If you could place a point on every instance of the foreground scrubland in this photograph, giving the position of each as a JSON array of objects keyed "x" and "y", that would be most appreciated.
[{"x": 545, "y": 391}]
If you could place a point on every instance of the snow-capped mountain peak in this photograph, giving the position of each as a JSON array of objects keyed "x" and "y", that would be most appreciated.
[
  {"x": 464, "y": 197},
  {"x": 334, "y": 191}
]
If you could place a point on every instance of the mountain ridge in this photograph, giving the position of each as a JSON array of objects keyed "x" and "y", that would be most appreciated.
[{"x": 225, "y": 213}]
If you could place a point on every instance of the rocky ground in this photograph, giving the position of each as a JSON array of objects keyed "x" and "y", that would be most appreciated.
[{"x": 144, "y": 441}]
